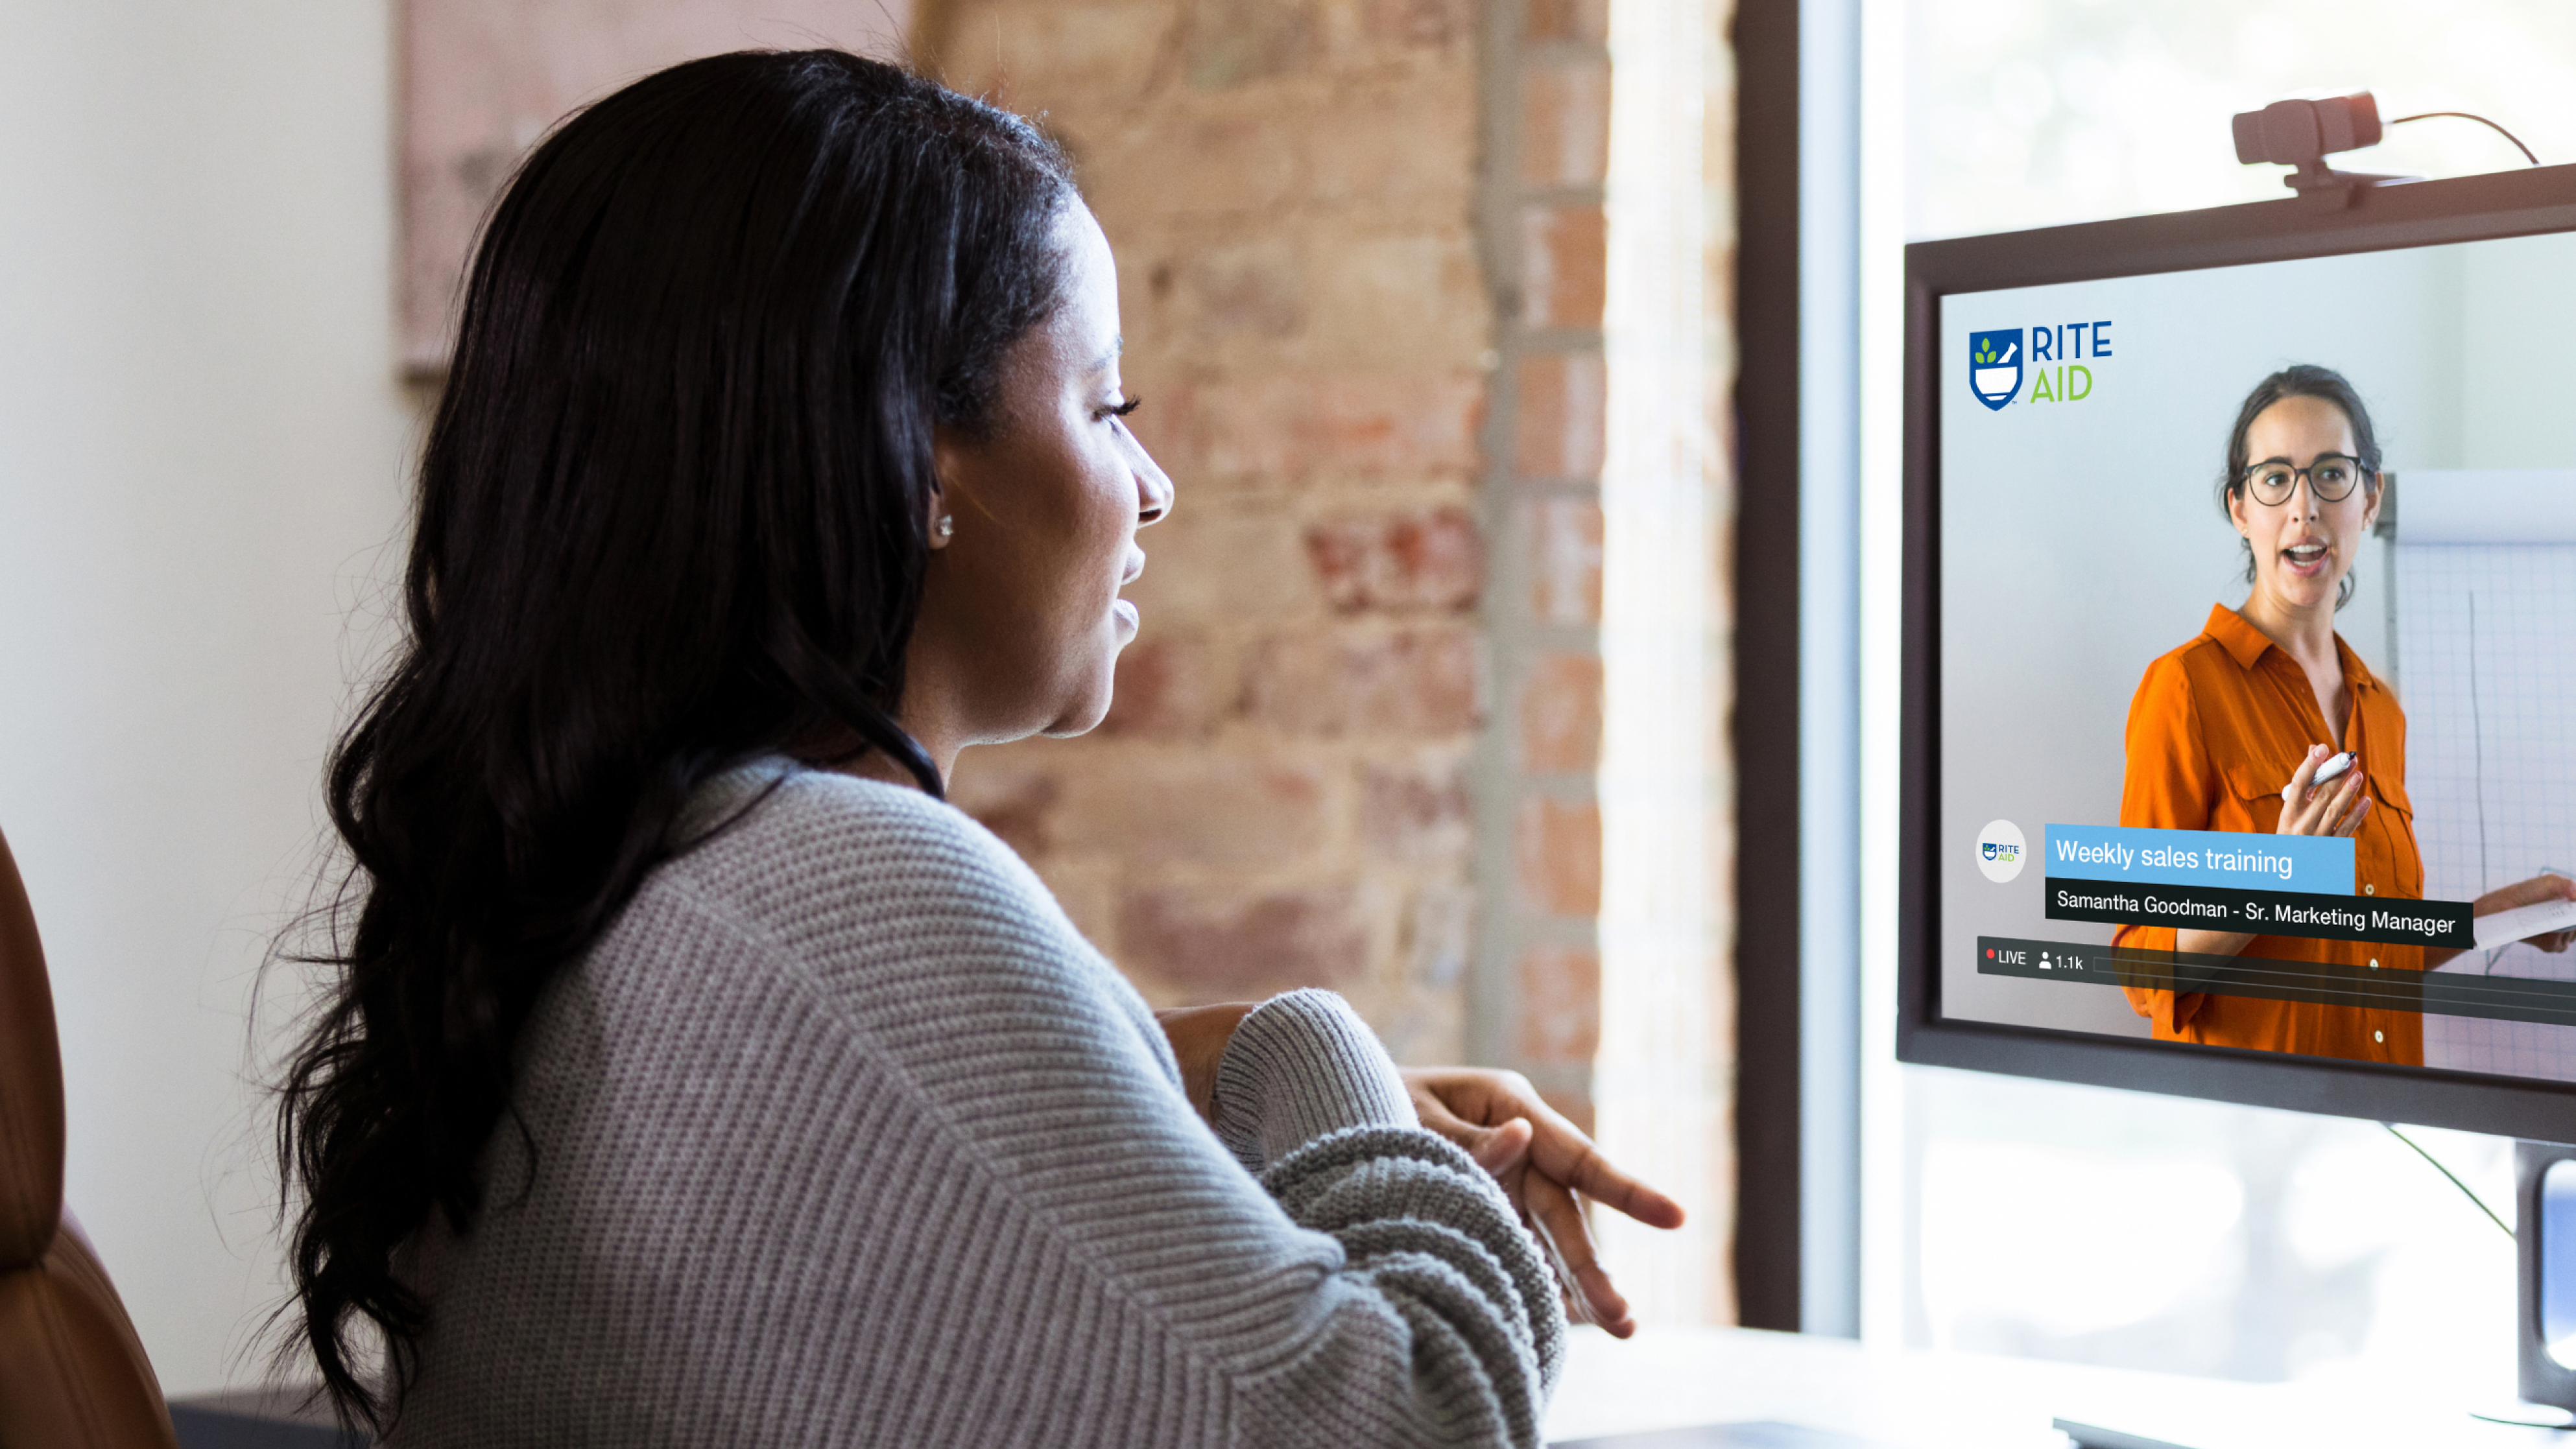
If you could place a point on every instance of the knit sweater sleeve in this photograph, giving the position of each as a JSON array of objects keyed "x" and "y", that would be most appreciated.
[{"x": 845, "y": 1135}]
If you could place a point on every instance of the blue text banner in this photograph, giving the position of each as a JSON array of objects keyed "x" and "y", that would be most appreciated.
[{"x": 2314, "y": 864}]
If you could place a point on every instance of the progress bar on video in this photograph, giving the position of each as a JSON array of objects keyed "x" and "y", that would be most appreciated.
[{"x": 2326, "y": 983}]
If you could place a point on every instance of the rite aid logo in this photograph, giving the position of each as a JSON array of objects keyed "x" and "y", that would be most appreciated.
[
  {"x": 1994, "y": 366},
  {"x": 2000, "y": 850},
  {"x": 2058, "y": 359}
]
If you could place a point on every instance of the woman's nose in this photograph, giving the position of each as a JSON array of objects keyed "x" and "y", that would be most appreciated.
[{"x": 1154, "y": 493}]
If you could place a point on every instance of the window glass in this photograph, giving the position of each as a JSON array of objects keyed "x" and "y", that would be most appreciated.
[
  {"x": 2285, "y": 1246},
  {"x": 2035, "y": 112}
]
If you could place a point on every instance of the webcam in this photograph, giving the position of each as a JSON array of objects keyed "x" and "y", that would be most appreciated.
[{"x": 2301, "y": 134}]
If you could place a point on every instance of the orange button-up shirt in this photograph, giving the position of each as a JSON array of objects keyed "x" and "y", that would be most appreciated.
[{"x": 2216, "y": 730}]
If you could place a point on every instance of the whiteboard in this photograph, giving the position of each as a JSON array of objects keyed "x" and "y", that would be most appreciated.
[
  {"x": 2486, "y": 505},
  {"x": 2483, "y": 609}
]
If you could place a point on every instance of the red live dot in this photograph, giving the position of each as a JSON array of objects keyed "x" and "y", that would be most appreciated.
[{"x": 1990, "y": 955}]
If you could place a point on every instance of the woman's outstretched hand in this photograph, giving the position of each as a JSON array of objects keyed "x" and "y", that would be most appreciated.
[
  {"x": 1546, "y": 1167},
  {"x": 2531, "y": 892},
  {"x": 2335, "y": 808}
]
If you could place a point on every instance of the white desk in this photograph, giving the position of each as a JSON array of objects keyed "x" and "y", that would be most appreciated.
[{"x": 1670, "y": 1378}]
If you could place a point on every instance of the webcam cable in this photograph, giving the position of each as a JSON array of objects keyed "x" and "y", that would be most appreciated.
[
  {"x": 2483, "y": 121},
  {"x": 2500, "y": 1223}
]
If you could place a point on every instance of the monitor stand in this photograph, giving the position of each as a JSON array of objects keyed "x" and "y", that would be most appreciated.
[{"x": 2544, "y": 1294}]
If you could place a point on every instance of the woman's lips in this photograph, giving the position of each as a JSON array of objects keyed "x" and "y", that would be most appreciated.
[
  {"x": 1126, "y": 614},
  {"x": 2307, "y": 559}
]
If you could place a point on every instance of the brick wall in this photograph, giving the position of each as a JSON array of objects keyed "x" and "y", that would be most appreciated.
[
  {"x": 1353, "y": 743},
  {"x": 1547, "y": 81}
]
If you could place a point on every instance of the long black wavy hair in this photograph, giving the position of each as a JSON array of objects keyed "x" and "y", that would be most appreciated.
[
  {"x": 672, "y": 514},
  {"x": 2299, "y": 379}
]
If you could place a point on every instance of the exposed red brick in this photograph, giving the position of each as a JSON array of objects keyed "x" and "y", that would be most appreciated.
[
  {"x": 1565, "y": 122},
  {"x": 1419, "y": 682},
  {"x": 1254, "y": 288},
  {"x": 1560, "y": 1005},
  {"x": 1561, "y": 714},
  {"x": 1164, "y": 690},
  {"x": 1234, "y": 42},
  {"x": 1439, "y": 934},
  {"x": 1288, "y": 428},
  {"x": 1415, "y": 813},
  {"x": 1209, "y": 565},
  {"x": 1399, "y": 300},
  {"x": 1192, "y": 806},
  {"x": 1196, "y": 161},
  {"x": 1565, "y": 561},
  {"x": 1044, "y": 55},
  {"x": 1436, "y": 24},
  {"x": 1559, "y": 849},
  {"x": 1220, "y": 946},
  {"x": 1564, "y": 264},
  {"x": 1423, "y": 558},
  {"x": 1402, "y": 143},
  {"x": 1557, "y": 428},
  {"x": 1016, "y": 803},
  {"x": 1581, "y": 20}
]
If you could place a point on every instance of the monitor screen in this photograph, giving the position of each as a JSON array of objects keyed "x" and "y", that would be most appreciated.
[{"x": 2255, "y": 656}]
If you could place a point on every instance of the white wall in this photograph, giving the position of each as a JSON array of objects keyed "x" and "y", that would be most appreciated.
[
  {"x": 202, "y": 448},
  {"x": 2517, "y": 319}
]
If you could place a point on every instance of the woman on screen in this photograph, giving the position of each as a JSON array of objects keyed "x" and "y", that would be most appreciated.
[{"x": 2229, "y": 731}]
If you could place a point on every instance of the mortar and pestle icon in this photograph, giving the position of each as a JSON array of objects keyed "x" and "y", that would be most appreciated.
[{"x": 2001, "y": 379}]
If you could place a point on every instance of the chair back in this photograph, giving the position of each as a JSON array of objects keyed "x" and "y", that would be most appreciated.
[{"x": 72, "y": 1371}]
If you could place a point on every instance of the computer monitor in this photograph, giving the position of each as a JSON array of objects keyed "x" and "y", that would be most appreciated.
[{"x": 2145, "y": 461}]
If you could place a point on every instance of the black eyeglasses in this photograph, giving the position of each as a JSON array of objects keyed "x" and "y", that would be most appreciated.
[{"x": 2331, "y": 476}]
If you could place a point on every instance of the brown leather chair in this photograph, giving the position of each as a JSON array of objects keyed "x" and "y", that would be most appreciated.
[{"x": 72, "y": 1371}]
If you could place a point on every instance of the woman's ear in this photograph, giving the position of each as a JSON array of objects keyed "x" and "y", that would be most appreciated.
[
  {"x": 2370, "y": 507},
  {"x": 2236, "y": 512},
  {"x": 940, "y": 523}
]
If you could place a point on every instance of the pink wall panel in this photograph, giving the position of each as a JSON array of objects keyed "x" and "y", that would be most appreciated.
[{"x": 483, "y": 79}]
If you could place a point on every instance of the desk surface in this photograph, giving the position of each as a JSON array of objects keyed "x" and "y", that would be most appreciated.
[{"x": 1910, "y": 1399}]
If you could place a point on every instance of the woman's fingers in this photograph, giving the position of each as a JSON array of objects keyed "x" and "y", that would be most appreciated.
[
  {"x": 2295, "y": 794},
  {"x": 1458, "y": 1102},
  {"x": 1563, "y": 1153},
  {"x": 2332, "y": 809},
  {"x": 1561, "y": 1150},
  {"x": 2536, "y": 891},
  {"x": 1558, "y": 1215},
  {"x": 2299, "y": 808},
  {"x": 1504, "y": 1147},
  {"x": 1473, "y": 1136}
]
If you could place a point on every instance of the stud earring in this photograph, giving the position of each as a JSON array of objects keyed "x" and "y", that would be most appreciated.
[{"x": 946, "y": 525}]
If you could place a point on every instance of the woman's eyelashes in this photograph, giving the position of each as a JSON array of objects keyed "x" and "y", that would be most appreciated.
[{"x": 1122, "y": 409}]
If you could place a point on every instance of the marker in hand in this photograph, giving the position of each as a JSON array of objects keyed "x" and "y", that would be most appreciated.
[{"x": 2321, "y": 811}]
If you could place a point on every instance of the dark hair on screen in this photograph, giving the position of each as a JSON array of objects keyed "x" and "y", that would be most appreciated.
[
  {"x": 2299, "y": 380},
  {"x": 672, "y": 515}
]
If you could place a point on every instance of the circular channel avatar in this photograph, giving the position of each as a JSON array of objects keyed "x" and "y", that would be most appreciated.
[{"x": 2000, "y": 849}]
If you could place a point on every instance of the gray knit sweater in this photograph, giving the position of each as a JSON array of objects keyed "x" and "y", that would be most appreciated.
[{"x": 843, "y": 1135}]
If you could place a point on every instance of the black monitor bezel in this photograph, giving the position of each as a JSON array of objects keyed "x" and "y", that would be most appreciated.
[{"x": 2386, "y": 218}]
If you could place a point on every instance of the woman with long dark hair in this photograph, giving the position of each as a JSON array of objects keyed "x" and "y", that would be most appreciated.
[{"x": 693, "y": 1073}]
